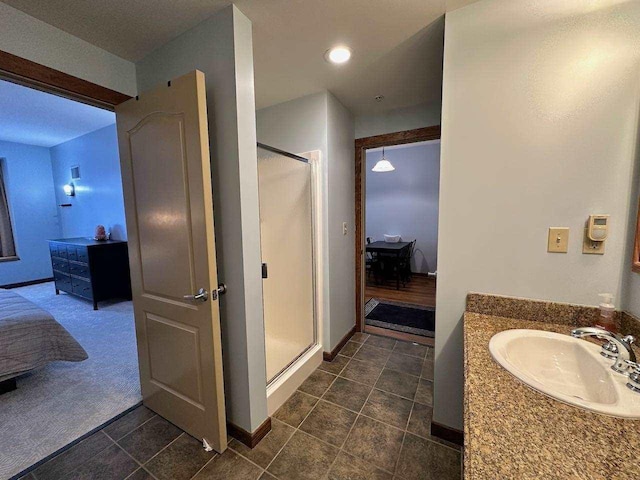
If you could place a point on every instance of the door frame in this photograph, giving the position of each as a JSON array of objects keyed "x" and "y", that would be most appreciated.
[
  {"x": 361, "y": 145},
  {"x": 30, "y": 74},
  {"x": 34, "y": 75}
]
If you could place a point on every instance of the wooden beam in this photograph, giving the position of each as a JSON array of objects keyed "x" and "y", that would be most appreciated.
[{"x": 31, "y": 74}]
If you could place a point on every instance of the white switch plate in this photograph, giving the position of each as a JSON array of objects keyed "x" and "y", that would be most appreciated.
[{"x": 344, "y": 228}]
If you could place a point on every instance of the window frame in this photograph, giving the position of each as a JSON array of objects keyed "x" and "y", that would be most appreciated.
[{"x": 3, "y": 178}]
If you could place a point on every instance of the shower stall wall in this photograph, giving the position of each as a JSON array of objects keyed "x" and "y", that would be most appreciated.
[{"x": 287, "y": 239}]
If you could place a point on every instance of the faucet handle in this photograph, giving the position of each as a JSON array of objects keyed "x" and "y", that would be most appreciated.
[
  {"x": 609, "y": 350},
  {"x": 634, "y": 375}
]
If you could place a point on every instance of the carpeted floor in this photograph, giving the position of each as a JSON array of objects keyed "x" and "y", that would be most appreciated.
[
  {"x": 415, "y": 319},
  {"x": 61, "y": 402}
]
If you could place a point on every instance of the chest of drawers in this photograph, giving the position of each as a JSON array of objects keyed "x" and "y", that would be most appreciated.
[{"x": 90, "y": 269}]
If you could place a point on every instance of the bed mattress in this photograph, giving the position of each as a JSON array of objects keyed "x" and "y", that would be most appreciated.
[{"x": 30, "y": 337}]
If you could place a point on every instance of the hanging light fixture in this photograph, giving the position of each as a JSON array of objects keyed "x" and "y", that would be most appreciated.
[{"x": 383, "y": 165}]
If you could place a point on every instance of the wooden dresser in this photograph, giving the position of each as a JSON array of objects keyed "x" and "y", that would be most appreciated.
[{"x": 91, "y": 269}]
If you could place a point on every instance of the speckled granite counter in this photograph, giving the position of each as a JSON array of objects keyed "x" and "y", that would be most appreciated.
[{"x": 514, "y": 432}]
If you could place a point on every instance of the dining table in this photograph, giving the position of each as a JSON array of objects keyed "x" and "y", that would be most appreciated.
[{"x": 394, "y": 250}]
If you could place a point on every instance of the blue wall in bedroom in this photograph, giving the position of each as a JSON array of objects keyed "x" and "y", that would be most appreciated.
[
  {"x": 32, "y": 204},
  {"x": 98, "y": 198}
]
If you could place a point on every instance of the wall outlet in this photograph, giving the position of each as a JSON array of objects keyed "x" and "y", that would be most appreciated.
[
  {"x": 344, "y": 228},
  {"x": 589, "y": 247},
  {"x": 558, "y": 241}
]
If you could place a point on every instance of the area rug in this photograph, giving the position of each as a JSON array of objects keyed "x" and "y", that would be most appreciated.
[
  {"x": 401, "y": 317},
  {"x": 59, "y": 403}
]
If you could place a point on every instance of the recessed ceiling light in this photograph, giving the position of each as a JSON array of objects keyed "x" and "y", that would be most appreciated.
[{"x": 338, "y": 55}]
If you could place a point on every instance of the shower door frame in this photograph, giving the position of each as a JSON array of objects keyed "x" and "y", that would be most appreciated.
[{"x": 313, "y": 163}]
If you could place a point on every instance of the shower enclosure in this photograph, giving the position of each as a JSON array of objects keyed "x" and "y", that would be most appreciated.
[{"x": 287, "y": 239}]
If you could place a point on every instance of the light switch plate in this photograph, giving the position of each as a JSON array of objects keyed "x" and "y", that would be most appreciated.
[
  {"x": 344, "y": 228},
  {"x": 558, "y": 241}
]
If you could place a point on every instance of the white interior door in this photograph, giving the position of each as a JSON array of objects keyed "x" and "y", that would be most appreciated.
[
  {"x": 286, "y": 231},
  {"x": 164, "y": 154}
]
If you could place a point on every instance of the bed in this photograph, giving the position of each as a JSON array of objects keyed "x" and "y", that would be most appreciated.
[{"x": 30, "y": 337}]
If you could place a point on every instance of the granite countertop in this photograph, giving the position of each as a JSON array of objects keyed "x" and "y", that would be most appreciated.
[{"x": 514, "y": 432}]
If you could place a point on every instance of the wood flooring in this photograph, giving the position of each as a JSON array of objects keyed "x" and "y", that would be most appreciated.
[{"x": 421, "y": 290}]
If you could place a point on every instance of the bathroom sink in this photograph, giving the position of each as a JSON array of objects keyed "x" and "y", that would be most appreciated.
[{"x": 565, "y": 368}]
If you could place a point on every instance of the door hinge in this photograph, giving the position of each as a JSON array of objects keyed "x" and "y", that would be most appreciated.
[{"x": 265, "y": 271}]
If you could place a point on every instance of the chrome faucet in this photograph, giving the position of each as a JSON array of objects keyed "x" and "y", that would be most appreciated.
[{"x": 624, "y": 355}]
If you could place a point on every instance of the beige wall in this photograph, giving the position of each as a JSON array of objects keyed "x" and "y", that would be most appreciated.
[{"x": 539, "y": 129}]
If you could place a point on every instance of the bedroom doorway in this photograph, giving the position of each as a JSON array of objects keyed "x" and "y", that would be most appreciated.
[
  {"x": 397, "y": 179},
  {"x": 70, "y": 426},
  {"x": 66, "y": 290}
]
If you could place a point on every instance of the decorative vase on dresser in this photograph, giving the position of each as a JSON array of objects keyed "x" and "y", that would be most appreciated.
[{"x": 91, "y": 269}]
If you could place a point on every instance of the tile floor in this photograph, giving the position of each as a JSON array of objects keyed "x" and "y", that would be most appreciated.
[{"x": 366, "y": 415}]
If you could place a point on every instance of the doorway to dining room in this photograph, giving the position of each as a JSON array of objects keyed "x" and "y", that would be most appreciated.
[{"x": 397, "y": 190}]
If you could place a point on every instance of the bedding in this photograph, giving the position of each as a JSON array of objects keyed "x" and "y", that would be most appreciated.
[{"x": 30, "y": 337}]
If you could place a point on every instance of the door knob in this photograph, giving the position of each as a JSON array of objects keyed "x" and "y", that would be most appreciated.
[{"x": 201, "y": 296}]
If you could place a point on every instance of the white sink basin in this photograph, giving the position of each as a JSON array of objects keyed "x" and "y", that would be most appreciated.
[{"x": 565, "y": 368}]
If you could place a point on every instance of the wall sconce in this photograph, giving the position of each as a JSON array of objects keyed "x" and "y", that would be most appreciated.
[{"x": 69, "y": 189}]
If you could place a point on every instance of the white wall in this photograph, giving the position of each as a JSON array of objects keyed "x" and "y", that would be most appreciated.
[
  {"x": 630, "y": 299},
  {"x": 539, "y": 129},
  {"x": 298, "y": 125},
  {"x": 398, "y": 120},
  {"x": 341, "y": 192},
  {"x": 221, "y": 47},
  {"x": 320, "y": 122},
  {"x": 405, "y": 201},
  {"x": 29, "y": 38}
]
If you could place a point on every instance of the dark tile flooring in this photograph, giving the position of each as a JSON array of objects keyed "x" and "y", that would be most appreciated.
[{"x": 366, "y": 415}]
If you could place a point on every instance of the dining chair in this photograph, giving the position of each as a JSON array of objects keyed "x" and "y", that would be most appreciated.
[
  {"x": 405, "y": 263},
  {"x": 369, "y": 259}
]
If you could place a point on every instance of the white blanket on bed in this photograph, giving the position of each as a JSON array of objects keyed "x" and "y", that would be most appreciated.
[{"x": 30, "y": 337}]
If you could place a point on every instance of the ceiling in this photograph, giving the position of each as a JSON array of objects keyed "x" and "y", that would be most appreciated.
[
  {"x": 33, "y": 117},
  {"x": 397, "y": 45}
]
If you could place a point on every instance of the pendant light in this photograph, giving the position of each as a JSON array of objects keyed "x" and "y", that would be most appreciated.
[{"x": 383, "y": 165}]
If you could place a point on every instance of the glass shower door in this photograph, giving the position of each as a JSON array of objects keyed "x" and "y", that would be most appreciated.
[{"x": 286, "y": 231}]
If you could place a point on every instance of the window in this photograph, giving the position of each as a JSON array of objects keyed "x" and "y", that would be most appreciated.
[{"x": 7, "y": 245}]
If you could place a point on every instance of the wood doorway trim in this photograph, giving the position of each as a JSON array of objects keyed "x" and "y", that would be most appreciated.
[
  {"x": 363, "y": 144},
  {"x": 34, "y": 75}
]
